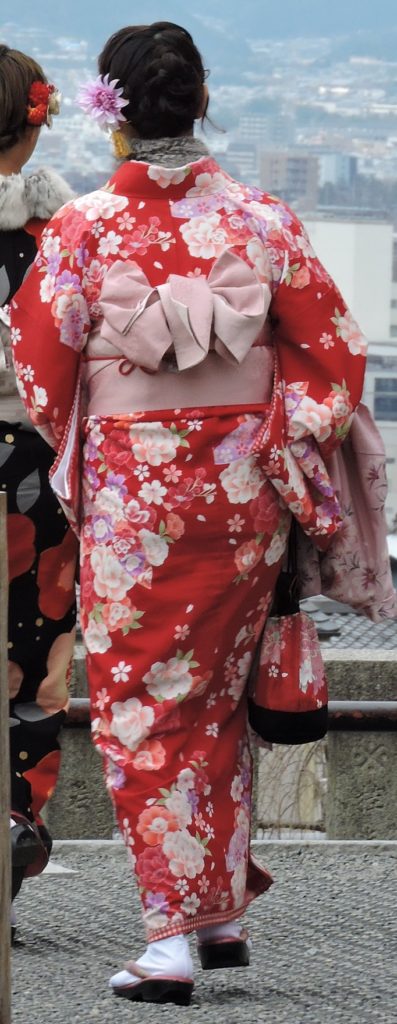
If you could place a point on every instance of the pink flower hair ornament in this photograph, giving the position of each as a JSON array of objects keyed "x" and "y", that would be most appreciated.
[{"x": 103, "y": 102}]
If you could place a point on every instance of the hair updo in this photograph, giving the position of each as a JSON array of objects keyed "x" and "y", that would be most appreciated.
[
  {"x": 17, "y": 74},
  {"x": 161, "y": 72}
]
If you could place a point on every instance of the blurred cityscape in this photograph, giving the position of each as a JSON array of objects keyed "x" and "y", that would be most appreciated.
[{"x": 313, "y": 120}]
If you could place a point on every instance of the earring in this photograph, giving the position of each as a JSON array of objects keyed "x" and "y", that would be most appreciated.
[{"x": 121, "y": 146}]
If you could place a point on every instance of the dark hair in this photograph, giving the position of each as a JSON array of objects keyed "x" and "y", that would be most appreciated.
[
  {"x": 161, "y": 72},
  {"x": 17, "y": 73}
]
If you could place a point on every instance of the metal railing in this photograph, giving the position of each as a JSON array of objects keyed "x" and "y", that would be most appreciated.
[{"x": 343, "y": 715}]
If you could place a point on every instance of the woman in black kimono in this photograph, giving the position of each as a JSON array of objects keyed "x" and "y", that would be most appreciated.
[{"x": 41, "y": 546}]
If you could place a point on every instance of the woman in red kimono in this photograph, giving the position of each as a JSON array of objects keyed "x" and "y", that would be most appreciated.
[{"x": 166, "y": 301}]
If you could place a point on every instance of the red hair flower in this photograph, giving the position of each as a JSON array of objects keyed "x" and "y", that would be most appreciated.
[
  {"x": 39, "y": 93},
  {"x": 43, "y": 101}
]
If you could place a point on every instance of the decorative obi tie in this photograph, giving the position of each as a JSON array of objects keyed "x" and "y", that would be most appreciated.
[{"x": 186, "y": 317}]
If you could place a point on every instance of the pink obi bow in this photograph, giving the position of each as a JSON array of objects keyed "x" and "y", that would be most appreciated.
[{"x": 189, "y": 315}]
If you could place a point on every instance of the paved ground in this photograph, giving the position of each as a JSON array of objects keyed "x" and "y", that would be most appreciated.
[{"x": 325, "y": 942}]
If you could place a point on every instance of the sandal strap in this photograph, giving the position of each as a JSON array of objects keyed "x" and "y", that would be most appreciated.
[
  {"x": 136, "y": 970},
  {"x": 242, "y": 937}
]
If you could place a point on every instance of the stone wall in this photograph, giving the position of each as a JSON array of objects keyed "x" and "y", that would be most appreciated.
[
  {"x": 362, "y": 766},
  {"x": 80, "y": 807}
]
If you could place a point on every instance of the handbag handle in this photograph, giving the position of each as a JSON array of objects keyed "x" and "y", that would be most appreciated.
[{"x": 286, "y": 594}]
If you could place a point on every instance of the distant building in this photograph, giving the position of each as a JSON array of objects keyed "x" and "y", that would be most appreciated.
[
  {"x": 267, "y": 130},
  {"x": 336, "y": 169},
  {"x": 242, "y": 162},
  {"x": 282, "y": 130},
  {"x": 254, "y": 129},
  {"x": 291, "y": 175}
]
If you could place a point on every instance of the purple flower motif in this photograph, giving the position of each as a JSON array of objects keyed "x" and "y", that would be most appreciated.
[
  {"x": 293, "y": 400},
  {"x": 237, "y": 851},
  {"x": 92, "y": 477},
  {"x": 253, "y": 193},
  {"x": 139, "y": 562},
  {"x": 117, "y": 777},
  {"x": 325, "y": 488},
  {"x": 284, "y": 214},
  {"x": 81, "y": 254},
  {"x": 330, "y": 508},
  {"x": 53, "y": 263},
  {"x": 67, "y": 278},
  {"x": 157, "y": 900},
  {"x": 238, "y": 443},
  {"x": 102, "y": 528},
  {"x": 90, "y": 451},
  {"x": 196, "y": 206},
  {"x": 71, "y": 333},
  {"x": 103, "y": 102},
  {"x": 193, "y": 800},
  {"x": 116, "y": 480}
]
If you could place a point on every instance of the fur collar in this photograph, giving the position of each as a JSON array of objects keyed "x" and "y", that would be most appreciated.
[
  {"x": 37, "y": 195},
  {"x": 175, "y": 152}
]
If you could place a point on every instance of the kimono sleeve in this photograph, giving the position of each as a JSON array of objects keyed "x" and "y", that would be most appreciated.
[
  {"x": 49, "y": 327},
  {"x": 320, "y": 348}
]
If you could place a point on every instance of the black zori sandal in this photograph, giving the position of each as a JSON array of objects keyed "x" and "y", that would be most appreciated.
[
  {"x": 27, "y": 848},
  {"x": 221, "y": 953},
  {"x": 24, "y": 841},
  {"x": 154, "y": 989}
]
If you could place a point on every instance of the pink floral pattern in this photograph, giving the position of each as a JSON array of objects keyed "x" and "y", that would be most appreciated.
[
  {"x": 131, "y": 546},
  {"x": 290, "y": 640}
]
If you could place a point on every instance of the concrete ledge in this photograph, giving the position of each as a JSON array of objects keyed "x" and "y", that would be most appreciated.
[{"x": 361, "y": 674}]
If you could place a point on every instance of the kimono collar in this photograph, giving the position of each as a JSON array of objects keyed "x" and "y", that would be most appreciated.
[{"x": 158, "y": 181}]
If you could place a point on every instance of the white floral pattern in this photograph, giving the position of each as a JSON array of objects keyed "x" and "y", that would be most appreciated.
[{"x": 131, "y": 722}]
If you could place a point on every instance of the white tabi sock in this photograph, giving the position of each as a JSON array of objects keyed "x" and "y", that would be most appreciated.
[{"x": 167, "y": 958}]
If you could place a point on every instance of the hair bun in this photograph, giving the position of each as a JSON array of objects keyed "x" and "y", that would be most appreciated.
[{"x": 162, "y": 75}]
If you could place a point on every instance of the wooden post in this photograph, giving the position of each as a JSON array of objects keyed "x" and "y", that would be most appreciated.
[{"x": 5, "y": 869}]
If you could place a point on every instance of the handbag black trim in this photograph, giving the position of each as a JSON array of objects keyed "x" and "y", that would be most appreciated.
[{"x": 289, "y": 727}]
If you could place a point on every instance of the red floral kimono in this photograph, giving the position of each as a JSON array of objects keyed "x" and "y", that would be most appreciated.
[{"x": 169, "y": 300}]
